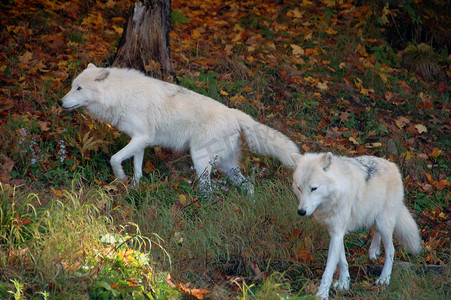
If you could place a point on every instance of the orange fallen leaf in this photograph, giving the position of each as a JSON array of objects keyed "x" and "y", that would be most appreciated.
[
  {"x": 435, "y": 153},
  {"x": 198, "y": 293},
  {"x": 331, "y": 31},
  {"x": 440, "y": 185},
  {"x": 26, "y": 57},
  {"x": 58, "y": 193}
]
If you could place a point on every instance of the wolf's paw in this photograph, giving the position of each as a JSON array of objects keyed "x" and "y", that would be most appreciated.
[
  {"x": 342, "y": 284},
  {"x": 383, "y": 281},
  {"x": 323, "y": 294},
  {"x": 374, "y": 254}
]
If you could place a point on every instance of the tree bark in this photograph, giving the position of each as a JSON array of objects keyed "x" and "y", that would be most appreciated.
[{"x": 144, "y": 44}]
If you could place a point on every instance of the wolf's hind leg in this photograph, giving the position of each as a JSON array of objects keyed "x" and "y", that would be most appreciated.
[
  {"x": 237, "y": 178},
  {"x": 375, "y": 247},
  {"x": 203, "y": 166},
  {"x": 137, "y": 165},
  {"x": 386, "y": 232}
]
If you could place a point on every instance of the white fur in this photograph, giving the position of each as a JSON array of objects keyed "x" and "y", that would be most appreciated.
[
  {"x": 153, "y": 112},
  {"x": 346, "y": 194}
]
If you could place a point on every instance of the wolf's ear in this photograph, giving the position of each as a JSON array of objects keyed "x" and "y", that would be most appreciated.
[
  {"x": 327, "y": 160},
  {"x": 295, "y": 157},
  {"x": 91, "y": 66},
  {"x": 103, "y": 75}
]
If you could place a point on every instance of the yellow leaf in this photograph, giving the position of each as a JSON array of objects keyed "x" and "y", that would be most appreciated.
[
  {"x": 296, "y": 13},
  {"x": 407, "y": 155},
  {"x": 178, "y": 237},
  {"x": 383, "y": 77},
  {"x": 435, "y": 153},
  {"x": 421, "y": 128},
  {"x": 297, "y": 50},
  {"x": 342, "y": 65},
  {"x": 183, "y": 199},
  {"x": 330, "y": 3},
  {"x": 224, "y": 93},
  {"x": 331, "y": 31},
  {"x": 237, "y": 27},
  {"x": 57, "y": 193},
  {"x": 364, "y": 91},
  {"x": 322, "y": 86},
  {"x": 149, "y": 167},
  {"x": 196, "y": 34},
  {"x": 310, "y": 79},
  {"x": 119, "y": 30},
  {"x": 361, "y": 50},
  {"x": 308, "y": 36},
  {"x": 353, "y": 140}
]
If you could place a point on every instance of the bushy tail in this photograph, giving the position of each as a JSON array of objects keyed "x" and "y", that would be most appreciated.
[
  {"x": 265, "y": 140},
  {"x": 406, "y": 232}
]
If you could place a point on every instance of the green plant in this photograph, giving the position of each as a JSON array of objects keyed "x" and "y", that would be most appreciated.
[
  {"x": 18, "y": 217},
  {"x": 178, "y": 18},
  {"x": 18, "y": 293},
  {"x": 421, "y": 59}
]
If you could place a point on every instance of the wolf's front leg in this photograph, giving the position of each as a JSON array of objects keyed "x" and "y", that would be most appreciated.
[
  {"x": 134, "y": 148},
  {"x": 335, "y": 246}
]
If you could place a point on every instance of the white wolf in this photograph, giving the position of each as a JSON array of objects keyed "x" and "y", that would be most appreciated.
[
  {"x": 153, "y": 112},
  {"x": 345, "y": 194}
]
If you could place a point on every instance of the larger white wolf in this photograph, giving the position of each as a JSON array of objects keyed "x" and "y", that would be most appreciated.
[
  {"x": 153, "y": 112},
  {"x": 346, "y": 194}
]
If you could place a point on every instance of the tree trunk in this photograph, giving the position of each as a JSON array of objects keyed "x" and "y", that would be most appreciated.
[{"x": 144, "y": 44}]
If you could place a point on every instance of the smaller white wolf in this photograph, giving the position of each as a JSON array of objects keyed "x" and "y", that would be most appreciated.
[
  {"x": 346, "y": 194},
  {"x": 154, "y": 112}
]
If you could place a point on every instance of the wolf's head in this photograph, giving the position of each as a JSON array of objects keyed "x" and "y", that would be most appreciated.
[
  {"x": 311, "y": 182},
  {"x": 85, "y": 90}
]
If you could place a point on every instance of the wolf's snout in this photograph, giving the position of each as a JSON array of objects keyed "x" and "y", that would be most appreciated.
[
  {"x": 301, "y": 212},
  {"x": 60, "y": 103}
]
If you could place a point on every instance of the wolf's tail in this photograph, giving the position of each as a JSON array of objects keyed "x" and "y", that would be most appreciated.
[
  {"x": 406, "y": 231},
  {"x": 265, "y": 140}
]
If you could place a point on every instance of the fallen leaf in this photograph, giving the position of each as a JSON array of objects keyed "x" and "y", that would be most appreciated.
[
  {"x": 322, "y": 86},
  {"x": 44, "y": 125},
  {"x": 421, "y": 128},
  {"x": 435, "y": 153},
  {"x": 57, "y": 193},
  {"x": 183, "y": 199},
  {"x": 26, "y": 57},
  {"x": 331, "y": 31},
  {"x": 149, "y": 167},
  {"x": 198, "y": 293},
  {"x": 353, "y": 140},
  {"x": 401, "y": 122},
  {"x": 297, "y": 51}
]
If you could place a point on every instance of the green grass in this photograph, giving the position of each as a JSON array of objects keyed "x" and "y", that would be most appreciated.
[{"x": 117, "y": 241}]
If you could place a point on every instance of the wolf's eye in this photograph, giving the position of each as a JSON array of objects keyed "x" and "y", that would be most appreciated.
[
  {"x": 314, "y": 188},
  {"x": 79, "y": 88}
]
